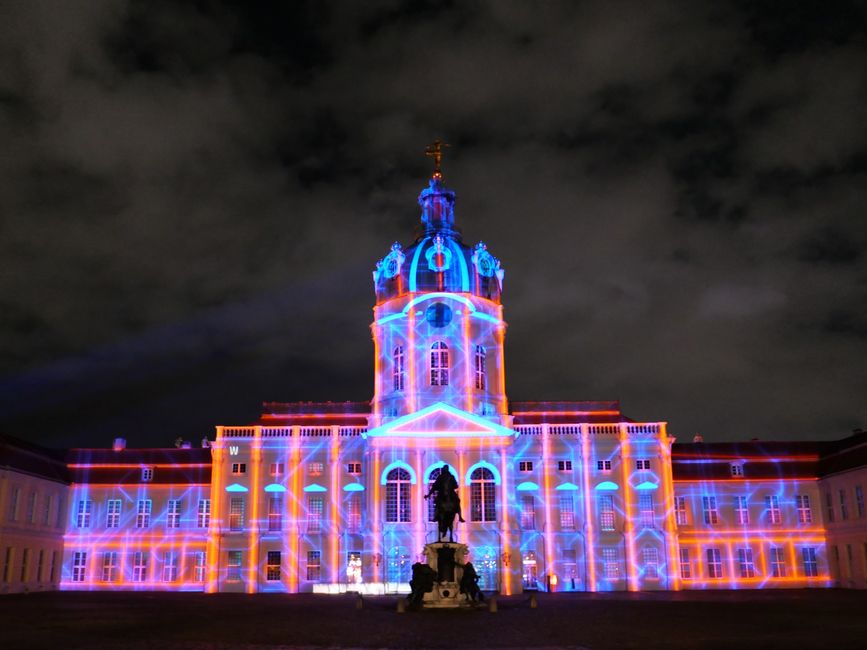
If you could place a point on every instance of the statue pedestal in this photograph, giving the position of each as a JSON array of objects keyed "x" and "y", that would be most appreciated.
[{"x": 443, "y": 558}]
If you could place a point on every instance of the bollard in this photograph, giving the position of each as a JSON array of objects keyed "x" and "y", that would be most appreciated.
[
  {"x": 359, "y": 602},
  {"x": 401, "y": 606},
  {"x": 533, "y": 602},
  {"x": 492, "y": 604}
]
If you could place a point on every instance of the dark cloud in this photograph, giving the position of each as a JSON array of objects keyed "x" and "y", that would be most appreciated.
[{"x": 192, "y": 198}]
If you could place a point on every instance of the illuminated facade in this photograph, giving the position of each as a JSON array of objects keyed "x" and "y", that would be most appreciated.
[{"x": 556, "y": 495}]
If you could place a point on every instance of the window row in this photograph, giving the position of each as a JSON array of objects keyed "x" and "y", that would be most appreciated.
[
  {"x": 33, "y": 510},
  {"x": 772, "y": 513},
  {"x": 45, "y": 567},
  {"x": 315, "y": 468},
  {"x": 439, "y": 366},
  {"x": 143, "y": 513},
  {"x": 745, "y": 566},
  {"x": 604, "y": 466},
  {"x": 842, "y": 497},
  {"x": 138, "y": 566}
]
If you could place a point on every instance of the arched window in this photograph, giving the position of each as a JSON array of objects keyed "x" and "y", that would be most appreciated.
[
  {"x": 439, "y": 364},
  {"x": 431, "y": 510},
  {"x": 398, "y": 506},
  {"x": 480, "y": 367},
  {"x": 483, "y": 503},
  {"x": 398, "y": 368}
]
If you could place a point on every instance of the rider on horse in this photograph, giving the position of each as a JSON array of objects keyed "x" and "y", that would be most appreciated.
[{"x": 445, "y": 485}]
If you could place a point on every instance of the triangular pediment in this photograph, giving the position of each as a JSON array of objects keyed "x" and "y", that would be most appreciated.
[{"x": 441, "y": 421}]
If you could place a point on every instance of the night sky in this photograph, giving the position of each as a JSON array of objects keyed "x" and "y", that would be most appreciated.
[{"x": 193, "y": 197}]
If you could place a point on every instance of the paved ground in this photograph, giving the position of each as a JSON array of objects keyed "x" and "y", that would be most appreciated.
[{"x": 739, "y": 620}]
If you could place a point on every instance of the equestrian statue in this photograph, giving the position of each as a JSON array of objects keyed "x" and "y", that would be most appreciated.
[{"x": 447, "y": 503}]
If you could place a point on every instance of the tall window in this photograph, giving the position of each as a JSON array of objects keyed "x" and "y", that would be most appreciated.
[
  {"x": 714, "y": 563},
  {"x": 439, "y": 364},
  {"x": 711, "y": 515},
  {"x": 315, "y": 510},
  {"x": 645, "y": 508},
  {"x": 650, "y": 556},
  {"x": 398, "y": 505},
  {"x": 233, "y": 566},
  {"x": 79, "y": 566},
  {"x": 528, "y": 512},
  {"x": 567, "y": 512},
  {"x": 112, "y": 516},
  {"x": 609, "y": 560},
  {"x": 13, "y": 503},
  {"x": 808, "y": 557},
  {"x": 143, "y": 513},
  {"x": 170, "y": 566},
  {"x": 778, "y": 562},
  {"x": 483, "y": 504},
  {"x": 480, "y": 367},
  {"x": 173, "y": 514},
  {"x": 844, "y": 507},
  {"x": 275, "y": 514},
  {"x": 147, "y": 474},
  {"x": 680, "y": 511},
  {"x": 46, "y": 509},
  {"x": 314, "y": 565},
  {"x": 272, "y": 566},
  {"x": 805, "y": 513},
  {"x": 353, "y": 517},
  {"x": 236, "y": 513},
  {"x": 85, "y": 508},
  {"x": 742, "y": 511},
  {"x": 772, "y": 502},
  {"x": 398, "y": 368},
  {"x": 203, "y": 513},
  {"x": 139, "y": 566},
  {"x": 31, "y": 508},
  {"x": 685, "y": 566},
  {"x": 199, "y": 564},
  {"x": 745, "y": 562},
  {"x": 606, "y": 512},
  {"x": 829, "y": 502},
  {"x": 859, "y": 501}
]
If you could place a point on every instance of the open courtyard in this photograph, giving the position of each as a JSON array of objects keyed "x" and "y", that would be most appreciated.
[{"x": 185, "y": 621}]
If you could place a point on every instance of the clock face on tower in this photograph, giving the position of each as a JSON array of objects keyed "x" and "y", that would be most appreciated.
[{"x": 438, "y": 314}]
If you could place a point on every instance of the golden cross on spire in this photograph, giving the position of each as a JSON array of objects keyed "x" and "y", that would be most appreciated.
[{"x": 435, "y": 151}]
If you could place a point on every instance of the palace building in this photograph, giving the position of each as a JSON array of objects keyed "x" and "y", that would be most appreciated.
[{"x": 561, "y": 496}]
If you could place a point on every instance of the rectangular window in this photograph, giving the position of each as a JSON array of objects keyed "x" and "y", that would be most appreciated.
[
  {"x": 7, "y": 564},
  {"x": 603, "y": 465},
  {"x": 685, "y": 566},
  {"x": 736, "y": 469},
  {"x": 39, "y": 565},
  {"x": 315, "y": 469},
  {"x": 353, "y": 468},
  {"x": 199, "y": 563},
  {"x": 25, "y": 565},
  {"x": 85, "y": 508},
  {"x": 110, "y": 567},
  {"x": 829, "y": 502},
  {"x": 680, "y": 511},
  {"x": 528, "y": 513},
  {"x": 606, "y": 512},
  {"x": 139, "y": 566},
  {"x": 398, "y": 372},
  {"x": 745, "y": 563},
  {"x": 567, "y": 512},
  {"x": 564, "y": 465},
  {"x": 642, "y": 463},
  {"x": 233, "y": 566},
  {"x": 714, "y": 563},
  {"x": 272, "y": 566},
  {"x": 313, "y": 565},
  {"x": 808, "y": 557},
  {"x": 203, "y": 513},
  {"x": 143, "y": 513},
  {"x": 275, "y": 514},
  {"x": 711, "y": 516},
  {"x": 650, "y": 556},
  {"x": 13, "y": 503},
  {"x": 315, "y": 509},
  {"x": 805, "y": 513},
  {"x": 353, "y": 517},
  {"x": 46, "y": 510},
  {"x": 53, "y": 570},
  {"x": 645, "y": 509},
  {"x": 173, "y": 514},
  {"x": 236, "y": 513},
  {"x": 276, "y": 469},
  {"x": 147, "y": 474},
  {"x": 112, "y": 513},
  {"x": 439, "y": 364},
  {"x": 772, "y": 503},
  {"x": 170, "y": 566},
  {"x": 778, "y": 562},
  {"x": 239, "y": 468},
  {"x": 61, "y": 515},
  {"x": 609, "y": 560},
  {"x": 525, "y": 466},
  {"x": 859, "y": 501},
  {"x": 31, "y": 508},
  {"x": 79, "y": 566},
  {"x": 844, "y": 507},
  {"x": 742, "y": 511}
]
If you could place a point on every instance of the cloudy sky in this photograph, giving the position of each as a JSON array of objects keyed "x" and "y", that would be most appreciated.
[{"x": 193, "y": 196}]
